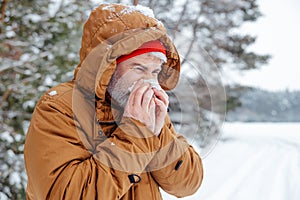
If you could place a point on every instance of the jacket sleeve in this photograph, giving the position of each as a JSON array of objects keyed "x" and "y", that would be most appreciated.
[
  {"x": 60, "y": 167},
  {"x": 177, "y": 168}
]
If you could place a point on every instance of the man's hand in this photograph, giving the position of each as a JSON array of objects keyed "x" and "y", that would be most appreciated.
[
  {"x": 147, "y": 105},
  {"x": 161, "y": 100},
  {"x": 141, "y": 105}
]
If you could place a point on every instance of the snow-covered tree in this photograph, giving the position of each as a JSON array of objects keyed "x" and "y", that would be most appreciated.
[
  {"x": 207, "y": 36},
  {"x": 39, "y": 48}
]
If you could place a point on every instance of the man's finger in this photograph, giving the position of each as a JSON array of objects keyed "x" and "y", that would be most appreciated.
[
  {"x": 147, "y": 97},
  {"x": 138, "y": 94},
  {"x": 162, "y": 95},
  {"x": 152, "y": 108},
  {"x": 160, "y": 104}
]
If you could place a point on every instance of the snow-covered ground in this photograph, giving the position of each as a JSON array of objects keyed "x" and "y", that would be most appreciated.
[{"x": 258, "y": 161}]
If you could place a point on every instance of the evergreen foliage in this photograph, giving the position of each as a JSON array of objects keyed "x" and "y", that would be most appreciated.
[{"x": 39, "y": 48}]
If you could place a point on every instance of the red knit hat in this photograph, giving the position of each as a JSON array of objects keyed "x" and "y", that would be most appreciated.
[{"x": 152, "y": 46}]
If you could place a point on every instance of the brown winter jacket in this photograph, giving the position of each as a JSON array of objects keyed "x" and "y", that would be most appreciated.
[{"x": 79, "y": 146}]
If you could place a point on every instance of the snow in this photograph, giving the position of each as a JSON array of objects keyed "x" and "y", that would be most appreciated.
[
  {"x": 15, "y": 179},
  {"x": 110, "y": 8},
  {"x": 25, "y": 57},
  {"x": 129, "y": 9},
  {"x": 10, "y": 154},
  {"x": 72, "y": 55},
  {"x": 139, "y": 8},
  {"x": 10, "y": 34},
  {"x": 28, "y": 104},
  {"x": 48, "y": 81},
  {"x": 3, "y": 196},
  {"x": 53, "y": 93},
  {"x": 5, "y": 136},
  {"x": 252, "y": 161},
  {"x": 53, "y": 7},
  {"x": 33, "y": 17},
  {"x": 35, "y": 50}
]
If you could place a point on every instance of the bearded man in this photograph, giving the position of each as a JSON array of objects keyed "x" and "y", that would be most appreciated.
[{"x": 107, "y": 134}]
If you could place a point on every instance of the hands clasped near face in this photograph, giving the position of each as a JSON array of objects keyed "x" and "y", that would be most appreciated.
[{"x": 147, "y": 105}]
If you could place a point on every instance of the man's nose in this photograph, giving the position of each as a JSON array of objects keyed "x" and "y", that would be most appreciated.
[{"x": 150, "y": 75}]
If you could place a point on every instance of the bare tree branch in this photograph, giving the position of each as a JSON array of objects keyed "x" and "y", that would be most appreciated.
[
  {"x": 3, "y": 7},
  {"x": 180, "y": 19},
  {"x": 150, "y": 4},
  {"x": 195, "y": 27},
  {"x": 5, "y": 96}
]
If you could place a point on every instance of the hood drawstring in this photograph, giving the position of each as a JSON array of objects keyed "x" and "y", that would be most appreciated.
[{"x": 132, "y": 192}]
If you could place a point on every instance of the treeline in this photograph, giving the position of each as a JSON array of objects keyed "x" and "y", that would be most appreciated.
[{"x": 259, "y": 105}]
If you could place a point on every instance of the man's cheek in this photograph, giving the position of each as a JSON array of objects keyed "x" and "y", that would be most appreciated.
[{"x": 131, "y": 86}]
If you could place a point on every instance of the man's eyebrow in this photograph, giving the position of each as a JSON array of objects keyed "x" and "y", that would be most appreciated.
[
  {"x": 139, "y": 65},
  {"x": 145, "y": 67}
]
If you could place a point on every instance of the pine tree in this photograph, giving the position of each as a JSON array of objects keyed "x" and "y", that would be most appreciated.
[{"x": 39, "y": 48}]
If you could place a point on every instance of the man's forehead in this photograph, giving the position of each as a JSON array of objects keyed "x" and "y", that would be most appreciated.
[{"x": 147, "y": 57}]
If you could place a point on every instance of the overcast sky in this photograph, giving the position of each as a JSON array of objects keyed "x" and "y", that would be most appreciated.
[{"x": 278, "y": 34}]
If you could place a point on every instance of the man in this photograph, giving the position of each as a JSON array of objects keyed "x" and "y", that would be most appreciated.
[{"x": 106, "y": 134}]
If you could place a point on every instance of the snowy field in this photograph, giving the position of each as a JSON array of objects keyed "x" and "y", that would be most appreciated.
[{"x": 258, "y": 161}]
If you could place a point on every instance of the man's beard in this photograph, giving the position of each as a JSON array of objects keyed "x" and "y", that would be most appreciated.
[{"x": 118, "y": 89}]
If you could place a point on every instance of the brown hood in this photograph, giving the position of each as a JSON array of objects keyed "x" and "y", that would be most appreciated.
[{"x": 113, "y": 30}]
